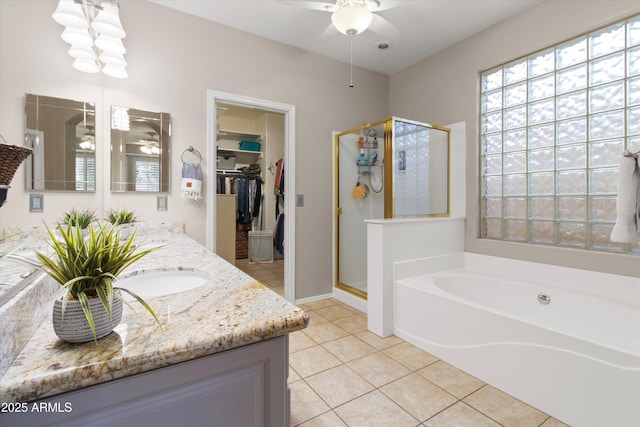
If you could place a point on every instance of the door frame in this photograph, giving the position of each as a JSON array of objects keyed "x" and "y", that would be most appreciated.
[{"x": 289, "y": 111}]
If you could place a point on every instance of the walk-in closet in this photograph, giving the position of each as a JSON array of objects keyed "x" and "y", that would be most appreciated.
[{"x": 250, "y": 192}]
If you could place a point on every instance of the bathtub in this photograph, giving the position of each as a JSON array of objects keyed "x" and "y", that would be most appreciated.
[{"x": 563, "y": 340}]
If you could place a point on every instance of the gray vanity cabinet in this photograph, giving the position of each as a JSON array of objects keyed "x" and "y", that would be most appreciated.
[{"x": 245, "y": 386}]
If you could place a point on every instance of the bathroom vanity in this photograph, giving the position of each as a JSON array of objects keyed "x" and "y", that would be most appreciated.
[{"x": 220, "y": 358}]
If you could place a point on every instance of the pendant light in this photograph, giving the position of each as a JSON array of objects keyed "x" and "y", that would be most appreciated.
[{"x": 95, "y": 33}]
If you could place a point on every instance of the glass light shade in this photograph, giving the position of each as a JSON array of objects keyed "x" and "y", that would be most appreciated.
[
  {"x": 352, "y": 19},
  {"x": 87, "y": 66},
  {"x": 77, "y": 36},
  {"x": 113, "y": 59},
  {"x": 70, "y": 14},
  {"x": 110, "y": 44},
  {"x": 115, "y": 71},
  {"x": 82, "y": 52},
  {"x": 108, "y": 21}
]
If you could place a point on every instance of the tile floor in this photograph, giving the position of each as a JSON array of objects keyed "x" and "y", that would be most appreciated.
[
  {"x": 340, "y": 374},
  {"x": 270, "y": 274}
]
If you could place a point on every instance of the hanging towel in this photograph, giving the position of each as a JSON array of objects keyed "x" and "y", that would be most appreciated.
[
  {"x": 626, "y": 227},
  {"x": 191, "y": 181}
]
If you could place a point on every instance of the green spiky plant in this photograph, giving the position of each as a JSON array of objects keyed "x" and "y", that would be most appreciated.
[
  {"x": 123, "y": 216},
  {"x": 87, "y": 266},
  {"x": 80, "y": 219}
]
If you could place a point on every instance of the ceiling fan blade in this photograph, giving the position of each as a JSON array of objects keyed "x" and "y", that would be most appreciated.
[
  {"x": 329, "y": 32},
  {"x": 386, "y": 5},
  {"x": 381, "y": 26},
  {"x": 310, "y": 4}
]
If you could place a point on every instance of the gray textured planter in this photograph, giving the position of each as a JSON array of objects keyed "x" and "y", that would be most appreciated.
[{"x": 75, "y": 327}]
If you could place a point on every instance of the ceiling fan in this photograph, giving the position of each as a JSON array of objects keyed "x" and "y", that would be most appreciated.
[{"x": 352, "y": 17}]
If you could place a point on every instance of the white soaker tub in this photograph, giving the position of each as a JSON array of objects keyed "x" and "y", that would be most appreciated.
[{"x": 577, "y": 358}]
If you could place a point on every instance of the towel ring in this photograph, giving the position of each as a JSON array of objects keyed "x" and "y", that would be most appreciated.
[
  {"x": 628, "y": 153},
  {"x": 190, "y": 149}
]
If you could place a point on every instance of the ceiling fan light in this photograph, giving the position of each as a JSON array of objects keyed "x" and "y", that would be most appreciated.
[
  {"x": 108, "y": 21},
  {"x": 352, "y": 19},
  {"x": 86, "y": 66},
  {"x": 70, "y": 14}
]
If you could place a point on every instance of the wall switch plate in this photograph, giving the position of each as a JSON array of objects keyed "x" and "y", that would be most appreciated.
[
  {"x": 162, "y": 203},
  {"x": 300, "y": 200},
  {"x": 36, "y": 202}
]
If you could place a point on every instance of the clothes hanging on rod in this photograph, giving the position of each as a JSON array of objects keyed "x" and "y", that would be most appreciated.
[
  {"x": 249, "y": 195},
  {"x": 278, "y": 187}
]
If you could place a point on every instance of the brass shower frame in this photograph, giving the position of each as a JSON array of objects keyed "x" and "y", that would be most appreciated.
[{"x": 388, "y": 170}]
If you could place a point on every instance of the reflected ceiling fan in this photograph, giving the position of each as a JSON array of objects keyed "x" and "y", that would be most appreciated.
[{"x": 352, "y": 17}]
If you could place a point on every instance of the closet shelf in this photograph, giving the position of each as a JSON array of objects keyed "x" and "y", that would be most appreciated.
[{"x": 238, "y": 136}]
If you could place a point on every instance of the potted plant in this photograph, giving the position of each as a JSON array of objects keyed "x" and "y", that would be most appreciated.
[
  {"x": 86, "y": 267},
  {"x": 122, "y": 219},
  {"x": 79, "y": 219}
]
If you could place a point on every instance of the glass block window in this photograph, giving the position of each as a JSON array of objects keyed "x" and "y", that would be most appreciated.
[{"x": 553, "y": 126}]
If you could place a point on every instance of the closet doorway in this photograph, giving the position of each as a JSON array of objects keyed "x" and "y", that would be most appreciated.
[{"x": 249, "y": 144}]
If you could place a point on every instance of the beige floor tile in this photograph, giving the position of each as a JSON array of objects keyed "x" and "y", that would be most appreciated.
[
  {"x": 328, "y": 419},
  {"x": 378, "y": 369},
  {"x": 417, "y": 396},
  {"x": 293, "y": 376},
  {"x": 315, "y": 318},
  {"x": 298, "y": 340},
  {"x": 335, "y": 312},
  {"x": 305, "y": 403},
  {"x": 504, "y": 408},
  {"x": 348, "y": 348},
  {"x": 377, "y": 342},
  {"x": 353, "y": 324},
  {"x": 351, "y": 385},
  {"x": 460, "y": 415},
  {"x": 312, "y": 360},
  {"x": 374, "y": 410},
  {"x": 410, "y": 356},
  {"x": 325, "y": 332},
  {"x": 552, "y": 422},
  {"x": 314, "y": 305},
  {"x": 451, "y": 379}
]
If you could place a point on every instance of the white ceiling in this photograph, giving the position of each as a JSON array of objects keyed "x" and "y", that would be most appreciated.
[{"x": 415, "y": 29}]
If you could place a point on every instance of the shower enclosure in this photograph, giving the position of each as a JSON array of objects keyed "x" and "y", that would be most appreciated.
[{"x": 393, "y": 168}]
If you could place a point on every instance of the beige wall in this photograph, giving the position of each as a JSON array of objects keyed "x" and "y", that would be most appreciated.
[
  {"x": 444, "y": 89},
  {"x": 173, "y": 59}
]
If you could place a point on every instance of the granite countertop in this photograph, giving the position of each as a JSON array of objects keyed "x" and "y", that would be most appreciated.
[{"x": 230, "y": 311}]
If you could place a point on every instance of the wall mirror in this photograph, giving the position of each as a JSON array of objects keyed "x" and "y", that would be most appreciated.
[
  {"x": 140, "y": 150},
  {"x": 61, "y": 133}
]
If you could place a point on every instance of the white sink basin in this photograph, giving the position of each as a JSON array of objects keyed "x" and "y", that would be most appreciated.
[{"x": 159, "y": 283}]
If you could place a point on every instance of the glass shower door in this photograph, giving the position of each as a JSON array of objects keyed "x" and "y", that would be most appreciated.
[{"x": 360, "y": 190}]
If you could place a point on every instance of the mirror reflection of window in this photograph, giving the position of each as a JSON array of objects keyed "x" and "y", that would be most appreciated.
[
  {"x": 140, "y": 142},
  {"x": 61, "y": 134}
]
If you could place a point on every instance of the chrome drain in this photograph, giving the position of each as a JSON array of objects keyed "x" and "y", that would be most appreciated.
[{"x": 544, "y": 298}]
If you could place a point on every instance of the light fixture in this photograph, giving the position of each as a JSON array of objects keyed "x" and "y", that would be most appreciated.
[
  {"x": 351, "y": 17},
  {"x": 95, "y": 33}
]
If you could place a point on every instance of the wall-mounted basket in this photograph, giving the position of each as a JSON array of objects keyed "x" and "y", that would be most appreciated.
[{"x": 11, "y": 157}]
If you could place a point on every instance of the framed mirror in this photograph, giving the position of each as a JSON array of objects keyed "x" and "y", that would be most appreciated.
[
  {"x": 140, "y": 150},
  {"x": 61, "y": 133}
]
